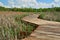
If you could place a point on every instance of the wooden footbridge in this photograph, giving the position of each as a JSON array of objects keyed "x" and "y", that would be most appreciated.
[{"x": 47, "y": 30}]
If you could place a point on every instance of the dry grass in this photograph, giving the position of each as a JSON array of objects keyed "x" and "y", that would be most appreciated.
[
  {"x": 11, "y": 26},
  {"x": 8, "y": 27},
  {"x": 51, "y": 16}
]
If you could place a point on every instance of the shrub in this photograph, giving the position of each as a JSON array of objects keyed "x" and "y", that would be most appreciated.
[
  {"x": 51, "y": 16},
  {"x": 41, "y": 16}
]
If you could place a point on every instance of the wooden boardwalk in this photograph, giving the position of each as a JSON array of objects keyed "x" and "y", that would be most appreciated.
[{"x": 47, "y": 30}]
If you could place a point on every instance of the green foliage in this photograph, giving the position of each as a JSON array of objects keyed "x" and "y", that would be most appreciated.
[
  {"x": 42, "y": 15},
  {"x": 25, "y": 27},
  {"x": 51, "y": 16},
  {"x": 30, "y": 9}
]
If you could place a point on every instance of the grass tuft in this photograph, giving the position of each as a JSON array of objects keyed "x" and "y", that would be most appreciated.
[
  {"x": 13, "y": 28},
  {"x": 50, "y": 16}
]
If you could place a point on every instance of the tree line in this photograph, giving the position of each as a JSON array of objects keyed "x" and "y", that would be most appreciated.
[{"x": 30, "y": 9}]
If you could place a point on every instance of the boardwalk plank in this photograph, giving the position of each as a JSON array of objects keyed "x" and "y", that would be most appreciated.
[{"x": 47, "y": 29}]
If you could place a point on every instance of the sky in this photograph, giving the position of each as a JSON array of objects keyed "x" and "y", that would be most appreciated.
[{"x": 30, "y": 3}]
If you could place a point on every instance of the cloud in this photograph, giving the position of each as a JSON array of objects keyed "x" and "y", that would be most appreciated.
[
  {"x": 31, "y": 3},
  {"x": 57, "y": 3},
  {"x": 22, "y": 3},
  {"x": 1, "y": 4},
  {"x": 57, "y": 0},
  {"x": 11, "y": 3}
]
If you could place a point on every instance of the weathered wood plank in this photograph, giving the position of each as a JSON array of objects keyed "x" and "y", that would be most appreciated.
[
  {"x": 33, "y": 19},
  {"x": 47, "y": 29}
]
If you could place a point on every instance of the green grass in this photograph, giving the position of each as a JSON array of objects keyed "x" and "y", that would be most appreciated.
[
  {"x": 42, "y": 15},
  {"x": 50, "y": 16},
  {"x": 26, "y": 27},
  {"x": 12, "y": 27}
]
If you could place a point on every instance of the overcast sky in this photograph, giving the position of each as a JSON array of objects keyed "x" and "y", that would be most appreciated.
[{"x": 30, "y": 3}]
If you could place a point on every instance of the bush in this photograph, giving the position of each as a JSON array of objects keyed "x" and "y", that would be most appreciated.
[
  {"x": 41, "y": 16},
  {"x": 51, "y": 16}
]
